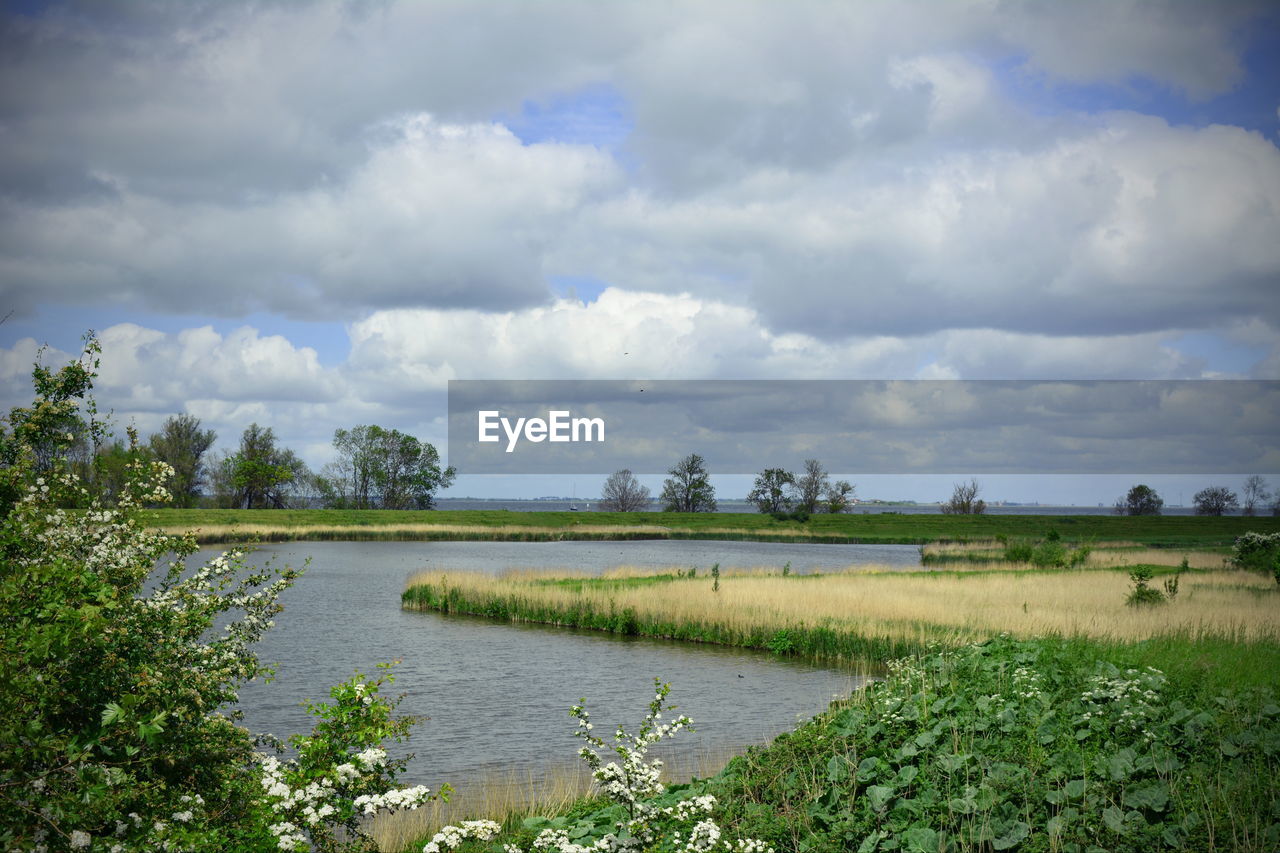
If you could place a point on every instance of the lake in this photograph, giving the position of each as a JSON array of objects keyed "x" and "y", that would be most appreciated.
[{"x": 498, "y": 695}]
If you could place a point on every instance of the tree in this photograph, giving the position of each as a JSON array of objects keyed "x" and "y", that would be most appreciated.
[
  {"x": 380, "y": 468},
  {"x": 811, "y": 485},
  {"x": 261, "y": 474},
  {"x": 181, "y": 444},
  {"x": 116, "y": 656},
  {"x": 1254, "y": 494},
  {"x": 689, "y": 488},
  {"x": 964, "y": 500},
  {"x": 839, "y": 496},
  {"x": 622, "y": 492},
  {"x": 1141, "y": 500},
  {"x": 772, "y": 490},
  {"x": 1215, "y": 500}
]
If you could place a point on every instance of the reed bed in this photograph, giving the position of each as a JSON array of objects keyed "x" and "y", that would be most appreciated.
[
  {"x": 1105, "y": 555},
  {"x": 865, "y": 612}
]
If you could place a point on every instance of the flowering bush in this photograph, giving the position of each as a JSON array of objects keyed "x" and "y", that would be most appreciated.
[
  {"x": 632, "y": 782},
  {"x": 1257, "y": 552},
  {"x": 114, "y": 671}
]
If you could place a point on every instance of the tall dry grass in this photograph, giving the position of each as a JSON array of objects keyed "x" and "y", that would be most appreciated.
[{"x": 905, "y": 605}]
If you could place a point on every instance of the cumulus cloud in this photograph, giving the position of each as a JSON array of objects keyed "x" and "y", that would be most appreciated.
[{"x": 807, "y": 190}]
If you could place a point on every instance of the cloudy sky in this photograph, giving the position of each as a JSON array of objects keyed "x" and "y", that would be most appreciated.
[{"x": 314, "y": 215}]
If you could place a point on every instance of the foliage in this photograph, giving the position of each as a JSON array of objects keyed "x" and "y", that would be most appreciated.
[
  {"x": 839, "y": 496},
  {"x": 181, "y": 445},
  {"x": 689, "y": 488},
  {"x": 715, "y": 578},
  {"x": 61, "y": 418},
  {"x": 1254, "y": 494},
  {"x": 1142, "y": 595},
  {"x": 260, "y": 475},
  {"x": 622, "y": 492},
  {"x": 811, "y": 486},
  {"x": 771, "y": 492},
  {"x": 1141, "y": 500},
  {"x": 1215, "y": 500},
  {"x": 1257, "y": 552},
  {"x": 380, "y": 468},
  {"x": 642, "y": 815},
  {"x": 115, "y": 657},
  {"x": 1017, "y": 745},
  {"x": 964, "y": 500}
]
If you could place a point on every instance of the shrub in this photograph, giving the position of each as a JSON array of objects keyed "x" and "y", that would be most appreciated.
[
  {"x": 113, "y": 672},
  {"x": 1257, "y": 552},
  {"x": 1142, "y": 595}
]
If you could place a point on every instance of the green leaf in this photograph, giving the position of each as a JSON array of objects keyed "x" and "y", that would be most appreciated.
[
  {"x": 837, "y": 768},
  {"x": 1012, "y": 837},
  {"x": 1154, "y": 797},
  {"x": 871, "y": 842},
  {"x": 879, "y": 795},
  {"x": 1114, "y": 819},
  {"x": 920, "y": 839}
]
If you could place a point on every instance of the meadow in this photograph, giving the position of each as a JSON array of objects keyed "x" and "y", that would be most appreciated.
[{"x": 227, "y": 525}]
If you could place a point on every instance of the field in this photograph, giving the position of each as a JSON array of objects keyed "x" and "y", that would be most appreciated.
[
  {"x": 213, "y": 525},
  {"x": 1022, "y": 708}
]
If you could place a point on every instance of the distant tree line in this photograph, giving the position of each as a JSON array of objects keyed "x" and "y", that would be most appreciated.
[{"x": 375, "y": 467}]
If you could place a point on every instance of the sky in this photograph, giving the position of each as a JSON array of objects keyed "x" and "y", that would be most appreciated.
[{"x": 312, "y": 216}]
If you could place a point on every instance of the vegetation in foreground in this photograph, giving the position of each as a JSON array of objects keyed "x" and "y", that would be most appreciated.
[
  {"x": 225, "y": 525},
  {"x": 1027, "y": 745}
]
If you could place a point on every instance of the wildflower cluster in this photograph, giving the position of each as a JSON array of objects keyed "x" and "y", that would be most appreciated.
[
  {"x": 632, "y": 782},
  {"x": 1128, "y": 700}
]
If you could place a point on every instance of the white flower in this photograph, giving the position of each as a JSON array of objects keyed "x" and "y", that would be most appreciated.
[{"x": 79, "y": 840}]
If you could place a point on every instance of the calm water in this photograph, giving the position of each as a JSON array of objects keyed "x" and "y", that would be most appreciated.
[{"x": 498, "y": 695}]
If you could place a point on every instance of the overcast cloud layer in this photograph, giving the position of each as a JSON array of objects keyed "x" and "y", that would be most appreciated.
[{"x": 629, "y": 190}]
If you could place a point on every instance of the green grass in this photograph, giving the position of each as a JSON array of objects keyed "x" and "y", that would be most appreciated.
[
  {"x": 1156, "y": 531},
  {"x": 1027, "y": 745}
]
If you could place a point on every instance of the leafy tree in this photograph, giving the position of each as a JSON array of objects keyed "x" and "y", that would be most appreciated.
[
  {"x": 964, "y": 500},
  {"x": 61, "y": 420},
  {"x": 1141, "y": 500},
  {"x": 839, "y": 496},
  {"x": 379, "y": 468},
  {"x": 622, "y": 492},
  {"x": 113, "y": 674},
  {"x": 811, "y": 485},
  {"x": 689, "y": 488},
  {"x": 181, "y": 445},
  {"x": 772, "y": 490},
  {"x": 1215, "y": 500},
  {"x": 260, "y": 474},
  {"x": 1254, "y": 494}
]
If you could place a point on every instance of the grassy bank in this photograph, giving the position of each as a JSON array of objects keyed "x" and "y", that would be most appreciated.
[
  {"x": 1045, "y": 744},
  {"x": 212, "y": 525},
  {"x": 1034, "y": 710},
  {"x": 862, "y": 615}
]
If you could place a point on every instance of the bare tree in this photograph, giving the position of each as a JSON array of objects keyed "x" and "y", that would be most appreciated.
[
  {"x": 1215, "y": 500},
  {"x": 965, "y": 500},
  {"x": 1254, "y": 494},
  {"x": 810, "y": 485},
  {"x": 622, "y": 492}
]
